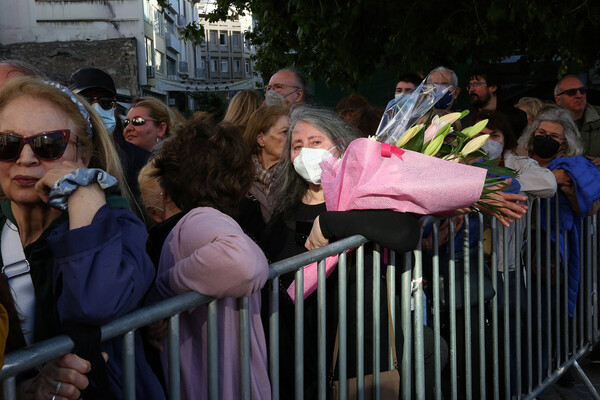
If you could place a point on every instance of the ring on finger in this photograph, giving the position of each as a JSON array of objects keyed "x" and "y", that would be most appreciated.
[{"x": 58, "y": 385}]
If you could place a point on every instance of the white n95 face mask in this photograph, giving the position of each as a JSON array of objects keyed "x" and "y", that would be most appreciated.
[
  {"x": 273, "y": 98},
  {"x": 307, "y": 164},
  {"x": 493, "y": 149}
]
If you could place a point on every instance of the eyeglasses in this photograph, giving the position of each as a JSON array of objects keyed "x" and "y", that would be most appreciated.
[
  {"x": 138, "y": 121},
  {"x": 46, "y": 145},
  {"x": 554, "y": 136},
  {"x": 105, "y": 102},
  {"x": 475, "y": 84},
  {"x": 573, "y": 92},
  {"x": 279, "y": 86}
]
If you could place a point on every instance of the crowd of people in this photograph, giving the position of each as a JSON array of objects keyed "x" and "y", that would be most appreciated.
[{"x": 101, "y": 215}]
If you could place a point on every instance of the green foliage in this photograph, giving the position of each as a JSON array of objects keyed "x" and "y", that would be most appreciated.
[
  {"x": 162, "y": 4},
  {"x": 193, "y": 33},
  {"x": 343, "y": 42}
]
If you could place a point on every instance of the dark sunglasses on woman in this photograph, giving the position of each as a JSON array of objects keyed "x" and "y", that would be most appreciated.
[
  {"x": 48, "y": 145},
  {"x": 138, "y": 121}
]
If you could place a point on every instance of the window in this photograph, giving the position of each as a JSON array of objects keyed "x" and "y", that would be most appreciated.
[
  {"x": 224, "y": 66},
  {"x": 235, "y": 40},
  {"x": 236, "y": 65},
  {"x": 160, "y": 62},
  {"x": 149, "y": 51},
  {"x": 246, "y": 42},
  {"x": 170, "y": 27},
  {"x": 147, "y": 11},
  {"x": 213, "y": 65},
  {"x": 171, "y": 66},
  {"x": 223, "y": 39},
  {"x": 158, "y": 23},
  {"x": 213, "y": 37},
  {"x": 247, "y": 66}
]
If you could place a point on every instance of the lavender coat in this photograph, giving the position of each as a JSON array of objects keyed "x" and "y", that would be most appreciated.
[{"x": 209, "y": 253}]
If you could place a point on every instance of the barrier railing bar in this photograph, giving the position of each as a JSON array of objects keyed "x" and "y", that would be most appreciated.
[
  {"x": 360, "y": 322},
  {"x": 343, "y": 333},
  {"x": 436, "y": 315},
  {"x": 505, "y": 312},
  {"x": 213, "y": 350},
  {"x": 467, "y": 309},
  {"x": 274, "y": 337},
  {"x": 174, "y": 358},
  {"x": 481, "y": 310},
  {"x": 245, "y": 383},
  {"x": 128, "y": 344},
  {"x": 299, "y": 334},
  {"x": 321, "y": 328},
  {"x": 494, "y": 261},
  {"x": 405, "y": 315},
  {"x": 376, "y": 320},
  {"x": 452, "y": 310}
]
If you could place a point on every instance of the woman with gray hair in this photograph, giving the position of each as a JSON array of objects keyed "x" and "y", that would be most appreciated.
[{"x": 301, "y": 221}]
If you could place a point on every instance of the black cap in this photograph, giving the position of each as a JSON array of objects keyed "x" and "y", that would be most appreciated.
[{"x": 91, "y": 78}]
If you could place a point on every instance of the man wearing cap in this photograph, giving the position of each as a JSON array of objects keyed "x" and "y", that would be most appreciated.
[
  {"x": 98, "y": 88},
  {"x": 570, "y": 93}
]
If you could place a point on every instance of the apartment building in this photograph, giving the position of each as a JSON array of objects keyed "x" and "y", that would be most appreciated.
[{"x": 136, "y": 41}]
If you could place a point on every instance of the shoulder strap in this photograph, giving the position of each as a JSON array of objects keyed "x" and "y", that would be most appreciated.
[{"x": 16, "y": 268}]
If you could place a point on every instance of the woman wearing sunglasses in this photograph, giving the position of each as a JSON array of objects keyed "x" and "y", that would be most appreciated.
[
  {"x": 148, "y": 123},
  {"x": 72, "y": 251}
]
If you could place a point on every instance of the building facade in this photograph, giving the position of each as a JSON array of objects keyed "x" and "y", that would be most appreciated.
[{"x": 136, "y": 41}]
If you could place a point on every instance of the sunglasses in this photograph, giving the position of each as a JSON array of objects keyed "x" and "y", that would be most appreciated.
[
  {"x": 573, "y": 92},
  {"x": 105, "y": 102},
  {"x": 138, "y": 121},
  {"x": 46, "y": 145}
]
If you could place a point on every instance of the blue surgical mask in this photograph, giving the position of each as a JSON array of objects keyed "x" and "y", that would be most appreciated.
[
  {"x": 108, "y": 117},
  {"x": 444, "y": 102}
]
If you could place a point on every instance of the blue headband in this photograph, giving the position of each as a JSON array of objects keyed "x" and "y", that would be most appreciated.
[{"x": 80, "y": 106}]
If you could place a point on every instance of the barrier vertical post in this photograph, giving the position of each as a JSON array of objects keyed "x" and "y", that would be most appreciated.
[
  {"x": 274, "y": 337},
  {"x": 321, "y": 326},
  {"x": 376, "y": 316},
  {"x": 299, "y": 334},
  {"x": 213, "y": 350},
  {"x": 174, "y": 358},
  {"x": 245, "y": 387},
  {"x": 129, "y": 366}
]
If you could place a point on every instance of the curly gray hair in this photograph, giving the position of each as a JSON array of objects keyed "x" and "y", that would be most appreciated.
[{"x": 561, "y": 116}]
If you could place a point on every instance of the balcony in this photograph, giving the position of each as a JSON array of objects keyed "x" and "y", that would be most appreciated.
[{"x": 173, "y": 43}]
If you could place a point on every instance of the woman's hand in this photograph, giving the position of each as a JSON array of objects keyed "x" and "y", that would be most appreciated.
[
  {"x": 506, "y": 206},
  {"x": 83, "y": 203},
  {"x": 44, "y": 185},
  {"x": 63, "y": 378},
  {"x": 316, "y": 238},
  {"x": 443, "y": 233},
  {"x": 154, "y": 333}
]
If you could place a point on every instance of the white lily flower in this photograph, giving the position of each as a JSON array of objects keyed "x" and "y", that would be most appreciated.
[
  {"x": 434, "y": 146},
  {"x": 475, "y": 129},
  {"x": 450, "y": 118},
  {"x": 433, "y": 128},
  {"x": 409, "y": 134},
  {"x": 474, "y": 144}
]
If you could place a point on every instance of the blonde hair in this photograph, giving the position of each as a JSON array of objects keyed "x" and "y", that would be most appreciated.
[
  {"x": 98, "y": 149},
  {"x": 532, "y": 105},
  {"x": 151, "y": 197},
  {"x": 157, "y": 110},
  {"x": 241, "y": 108},
  {"x": 261, "y": 121}
]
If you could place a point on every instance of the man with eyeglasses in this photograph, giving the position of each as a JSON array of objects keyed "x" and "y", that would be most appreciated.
[
  {"x": 570, "y": 93},
  {"x": 98, "y": 88},
  {"x": 286, "y": 85},
  {"x": 484, "y": 94}
]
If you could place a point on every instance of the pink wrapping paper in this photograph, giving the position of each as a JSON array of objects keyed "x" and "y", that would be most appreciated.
[
  {"x": 311, "y": 277},
  {"x": 412, "y": 182}
]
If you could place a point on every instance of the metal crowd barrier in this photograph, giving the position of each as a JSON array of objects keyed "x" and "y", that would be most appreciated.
[{"x": 521, "y": 351}]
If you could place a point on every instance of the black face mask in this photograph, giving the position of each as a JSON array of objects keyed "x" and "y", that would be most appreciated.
[{"x": 544, "y": 146}]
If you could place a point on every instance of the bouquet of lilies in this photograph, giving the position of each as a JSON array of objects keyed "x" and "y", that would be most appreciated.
[{"x": 436, "y": 137}]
